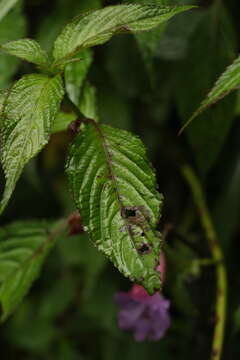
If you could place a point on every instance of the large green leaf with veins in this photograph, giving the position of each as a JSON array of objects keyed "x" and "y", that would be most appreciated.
[
  {"x": 97, "y": 27},
  {"x": 114, "y": 187},
  {"x": 26, "y": 119}
]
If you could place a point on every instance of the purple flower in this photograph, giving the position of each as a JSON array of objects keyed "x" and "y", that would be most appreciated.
[{"x": 147, "y": 316}]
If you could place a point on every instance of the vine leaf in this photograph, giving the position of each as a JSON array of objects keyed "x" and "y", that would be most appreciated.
[
  {"x": 26, "y": 119},
  {"x": 114, "y": 188},
  {"x": 226, "y": 83},
  {"x": 27, "y": 49},
  {"x": 97, "y": 27},
  {"x": 23, "y": 248},
  {"x": 5, "y": 7}
]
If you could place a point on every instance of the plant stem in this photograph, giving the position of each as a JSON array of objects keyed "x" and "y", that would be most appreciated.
[
  {"x": 74, "y": 107},
  {"x": 217, "y": 256}
]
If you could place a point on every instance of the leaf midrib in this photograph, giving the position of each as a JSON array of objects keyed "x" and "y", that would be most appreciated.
[{"x": 113, "y": 178}]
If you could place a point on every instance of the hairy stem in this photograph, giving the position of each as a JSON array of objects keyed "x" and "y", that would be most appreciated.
[{"x": 217, "y": 256}]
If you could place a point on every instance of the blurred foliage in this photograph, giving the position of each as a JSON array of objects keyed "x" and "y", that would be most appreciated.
[{"x": 150, "y": 83}]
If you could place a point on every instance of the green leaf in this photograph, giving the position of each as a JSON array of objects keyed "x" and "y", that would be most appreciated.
[
  {"x": 63, "y": 12},
  {"x": 114, "y": 188},
  {"x": 88, "y": 102},
  {"x": 211, "y": 49},
  {"x": 27, "y": 117},
  {"x": 3, "y": 95},
  {"x": 75, "y": 74},
  {"x": 226, "y": 83},
  {"x": 62, "y": 121},
  {"x": 99, "y": 26},
  {"x": 5, "y": 7},
  {"x": 23, "y": 248},
  {"x": 27, "y": 49},
  {"x": 12, "y": 27}
]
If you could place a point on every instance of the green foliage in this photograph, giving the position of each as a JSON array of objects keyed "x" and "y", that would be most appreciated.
[
  {"x": 62, "y": 121},
  {"x": 5, "y": 7},
  {"x": 227, "y": 82},
  {"x": 30, "y": 112},
  {"x": 12, "y": 26},
  {"x": 26, "y": 119},
  {"x": 148, "y": 83},
  {"x": 75, "y": 74},
  {"x": 114, "y": 188},
  {"x": 23, "y": 248},
  {"x": 3, "y": 95},
  {"x": 58, "y": 16},
  {"x": 27, "y": 49},
  {"x": 98, "y": 27},
  {"x": 207, "y": 58},
  {"x": 88, "y": 102}
]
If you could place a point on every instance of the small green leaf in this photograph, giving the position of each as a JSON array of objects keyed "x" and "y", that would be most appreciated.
[
  {"x": 27, "y": 49},
  {"x": 75, "y": 74},
  {"x": 226, "y": 83},
  {"x": 88, "y": 102},
  {"x": 114, "y": 188},
  {"x": 99, "y": 26},
  {"x": 5, "y": 7},
  {"x": 23, "y": 248},
  {"x": 27, "y": 116}
]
